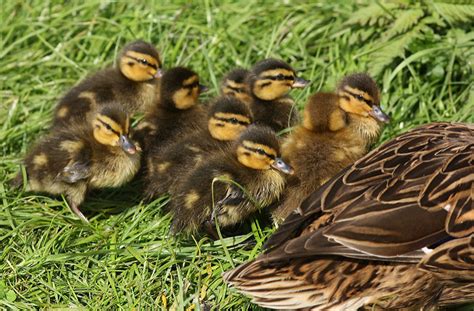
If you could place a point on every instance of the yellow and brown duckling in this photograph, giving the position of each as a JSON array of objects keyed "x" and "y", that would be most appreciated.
[
  {"x": 269, "y": 83},
  {"x": 228, "y": 117},
  {"x": 176, "y": 112},
  {"x": 72, "y": 161},
  {"x": 232, "y": 184},
  {"x": 234, "y": 84},
  {"x": 131, "y": 86},
  {"x": 394, "y": 229},
  {"x": 337, "y": 129}
]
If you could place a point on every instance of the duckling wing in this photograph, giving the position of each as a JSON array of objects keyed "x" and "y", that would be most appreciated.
[
  {"x": 78, "y": 167},
  {"x": 74, "y": 172},
  {"x": 389, "y": 204}
]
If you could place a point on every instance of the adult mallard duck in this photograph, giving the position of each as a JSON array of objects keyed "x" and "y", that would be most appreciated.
[{"x": 394, "y": 229}]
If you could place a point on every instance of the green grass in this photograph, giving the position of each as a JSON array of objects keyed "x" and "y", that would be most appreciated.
[{"x": 422, "y": 55}]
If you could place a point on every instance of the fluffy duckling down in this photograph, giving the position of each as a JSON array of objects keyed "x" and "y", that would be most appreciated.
[
  {"x": 71, "y": 162},
  {"x": 131, "y": 86},
  {"x": 337, "y": 129},
  {"x": 269, "y": 83},
  {"x": 176, "y": 113},
  {"x": 228, "y": 117},
  {"x": 231, "y": 184},
  {"x": 234, "y": 84}
]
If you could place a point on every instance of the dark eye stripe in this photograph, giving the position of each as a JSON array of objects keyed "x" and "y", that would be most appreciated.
[
  {"x": 278, "y": 77},
  {"x": 360, "y": 97},
  {"x": 143, "y": 61},
  {"x": 109, "y": 128},
  {"x": 257, "y": 151},
  {"x": 229, "y": 120}
]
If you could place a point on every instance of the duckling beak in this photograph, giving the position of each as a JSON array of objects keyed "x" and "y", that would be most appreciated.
[
  {"x": 378, "y": 114},
  {"x": 203, "y": 88},
  {"x": 300, "y": 83},
  {"x": 159, "y": 73},
  {"x": 281, "y": 166},
  {"x": 127, "y": 145}
]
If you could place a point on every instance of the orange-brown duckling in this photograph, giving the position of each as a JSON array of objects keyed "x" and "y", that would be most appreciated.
[
  {"x": 176, "y": 112},
  {"x": 131, "y": 86},
  {"x": 232, "y": 184},
  {"x": 72, "y": 161},
  {"x": 269, "y": 83},
  {"x": 337, "y": 129},
  {"x": 228, "y": 117},
  {"x": 234, "y": 84}
]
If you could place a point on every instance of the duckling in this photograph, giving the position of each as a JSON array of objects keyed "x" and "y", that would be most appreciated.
[
  {"x": 176, "y": 112},
  {"x": 131, "y": 86},
  {"x": 393, "y": 229},
  {"x": 234, "y": 84},
  {"x": 269, "y": 83},
  {"x": 228, "y": 117},
  {"x": 96, "y": 155},
  {"x": 337, "y": 129},
  {"x": 232, "y": 184}
]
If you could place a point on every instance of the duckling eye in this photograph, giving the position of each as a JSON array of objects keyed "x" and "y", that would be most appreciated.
[
  {"x": 234, "y": 121},
  {"x": 143, "y": 61},
  {"x": 280, "y": 77},
  {"x": 260, "y": 151},
  {"x": 108, "y": 127},
  {"x": 359, "y": 97}
]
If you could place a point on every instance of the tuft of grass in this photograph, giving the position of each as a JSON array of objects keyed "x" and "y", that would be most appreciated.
[{"x": 422, "y": 55}]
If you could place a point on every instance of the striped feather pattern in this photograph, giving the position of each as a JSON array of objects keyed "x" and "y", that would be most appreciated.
[{"x": 394, "y": 229}]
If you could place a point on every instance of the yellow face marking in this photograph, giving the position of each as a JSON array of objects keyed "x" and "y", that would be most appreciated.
[
  {"x": 265, "y": 148},
  {"x": 162, "y": 167},
  {"x": 271, "y": 89},
  {"x": 62, "y": 112},
  {"x": 252, "y": 159},
  {"x": 133, "y": 69},
  {"x": 105, "y": 119},
  {"x": 358, "y": 92},
  {"x": 40, "y": 160},
  {"x": 185, "y": 98},
  {"x": 275, "y": 72},
  {"x": 105, "y": 136},
  {"x": 235, "y": 85},
  {"x": 71, "y": 146},
  {"x": 353, "y": 105},
  {"x": 227, "y": 115},
  {"x": 150, "y": 59},
  {"x": 190, "y": 199},
  {"x": 224, "y": 131}
]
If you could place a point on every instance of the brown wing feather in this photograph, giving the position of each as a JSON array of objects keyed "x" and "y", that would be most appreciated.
[
  {"x": 389, "y": 188},
  {"x": 385, "y": 206},
  {"x": 453, "y": 260}
]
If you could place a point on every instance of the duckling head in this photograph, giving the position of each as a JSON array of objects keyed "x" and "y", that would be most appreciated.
[
  {"x": 139, "y": 61},
  {"x": 234, "y": 84},
  {"x": 180, "y": 88},
  {"x": 359, "y": 96},
  {"x": 258, "y": 148},
  {"x": 271, "y": 78},
  {"x": 111, "y": 128},
  {"x": 228, "y": 118}
]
